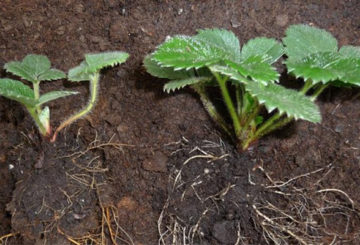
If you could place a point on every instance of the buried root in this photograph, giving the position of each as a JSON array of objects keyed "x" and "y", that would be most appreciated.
[{"x": 280, "y": 212}]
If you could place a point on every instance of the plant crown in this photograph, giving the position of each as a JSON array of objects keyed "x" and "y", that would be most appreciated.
[
  {"x": 245, "y": 76},
  {"x": 34, "y": 69}
]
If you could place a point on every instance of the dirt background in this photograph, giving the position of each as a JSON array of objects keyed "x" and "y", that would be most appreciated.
[{"x": 150, "y": 168}]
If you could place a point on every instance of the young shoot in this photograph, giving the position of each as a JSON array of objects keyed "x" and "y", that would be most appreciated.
[
  {"x": 245, "y": 77},
  {"x": 313, "y": 55},
  {"x": 89, "y": 70},
  {"x": 34, "y": 69}
]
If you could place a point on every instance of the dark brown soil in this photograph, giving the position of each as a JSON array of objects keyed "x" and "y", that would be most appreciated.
[{"x": 149, "y": 168}]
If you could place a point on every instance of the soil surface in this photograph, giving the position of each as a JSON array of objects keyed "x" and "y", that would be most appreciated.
[{"x": 149, "y": 168}]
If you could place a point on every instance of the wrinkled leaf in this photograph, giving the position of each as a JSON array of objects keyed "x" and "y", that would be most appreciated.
[
  {"x": 178, "y": 84},
  {"x": 269, "y": 49},
  {"x": 52, "y": 74},
  {"x": 182, "y": 52},
  {"x": 156, "y": 70},
  {"x": 79, "y": 73},
  {"x": 255, "y": 68},
  {"x": 53, "y": 95},
  {"x": 222, "y": 39},
  {"x": 303, "y": 40},
  {"x": 17, "y": 91},
  {"x": 288, "y": 101},
  {"x": 350, "y": 51}
]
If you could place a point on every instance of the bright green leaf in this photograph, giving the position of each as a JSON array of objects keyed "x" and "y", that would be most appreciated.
[
  {"x": 53, "y": 95},
  {"x": 318, "y": 67},
  {"x": 288, "y": 101},
  {"x": 156, "y": 70},
  {"x": 101, "y": 60},
  {"x": 17, "y": 91},
  {"x": 182, "y": 52},
  {"x": 228, "y": 71},
  {"x": 222, "y": 39},
  {"x": 255, "y": 68},
  {"x": 178, "y": 84},
  {"x": 267, "y": 48},
  {"x": 303, "y": 40}
]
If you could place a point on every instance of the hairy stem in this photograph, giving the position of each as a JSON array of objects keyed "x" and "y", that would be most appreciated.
[
  {"x": 239, "y": 93},
  {"x": 210, "y": 108},
  {"x": 94, "y": 81},
  {"x": 228, "y": 102}
]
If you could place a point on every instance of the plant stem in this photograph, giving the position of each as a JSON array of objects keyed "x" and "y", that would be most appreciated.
[
  {"x": 36, "y": 87},
  {"x": 318, "y": 91},
  {"x": 228, "y": 102},
  {"x": 308, "y": 84},
  {"x": 94, "y": 81},
  {"x": 33, "y": 112},
  {"x": 239, "y": 93},
  {"x": 210, "y": 108}
]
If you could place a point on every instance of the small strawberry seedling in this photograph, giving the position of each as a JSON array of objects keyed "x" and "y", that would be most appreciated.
[
  {"x": 89, "y": 70},
  {"x": 35, "y": 69},
  {"x": 313, "y": 55},
  {"x": 245, "y": 77}
]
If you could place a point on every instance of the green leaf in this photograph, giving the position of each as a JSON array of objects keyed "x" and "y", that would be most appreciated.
[
  {"x": 257, "y": 69},
  {"x": 52, "y": 74},
  {"x": 79, "y": 73},
  {"x": 178, "y": 84},
  {"x": 228, "y": 71},
  {"x": 156, "y": 70},
  {"x": 17, "y": 91},
  {"x": 34, "y": 68},
  {"x": 182, "y": 52},
  {"x": 222, "y": 39},
  {"x": 303, "y": 40},
  {"x": 348, "y": 70},
  {"x": 101, "y": 60},
  {"x": 267, "y": 48},
  {"x": 318, "y": 67},
  {"x": 350, "y": 51},
  {"x": 53, "y": 95},
  {"x": 288, "y": 101}
]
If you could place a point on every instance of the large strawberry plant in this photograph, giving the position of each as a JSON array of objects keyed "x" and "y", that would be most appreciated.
[{"x": 245, "y": 76}]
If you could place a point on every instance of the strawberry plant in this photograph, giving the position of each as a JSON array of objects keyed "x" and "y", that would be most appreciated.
[
  {"x": 89, "y": 70},
  {"x": 313, "y": 55},
  {"x": 34, "y": 69},
  {"x": 245, "y": 77}
]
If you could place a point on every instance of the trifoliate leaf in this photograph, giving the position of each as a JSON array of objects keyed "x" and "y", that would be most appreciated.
[
  {"x": 156, "y": 70},
  {"x": 16, "y": 90},
  {"x": 288, "y": 101},
  {"x": 101, "y": 60},
  {"x": 257, "y": 69},
  {"x": 34, "y": 68},
  {"x": 267, "y": 48},
  {"x": 303, "y": 40},
  {"x": 222, "y": 39},
  {"x": 53, "y": 95},
  {"x": 178, "y": 84},
  {"x": 318, "y": 67},
  {"x": 182, "y": 52},
  {"x": 350, "y": 51}
]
